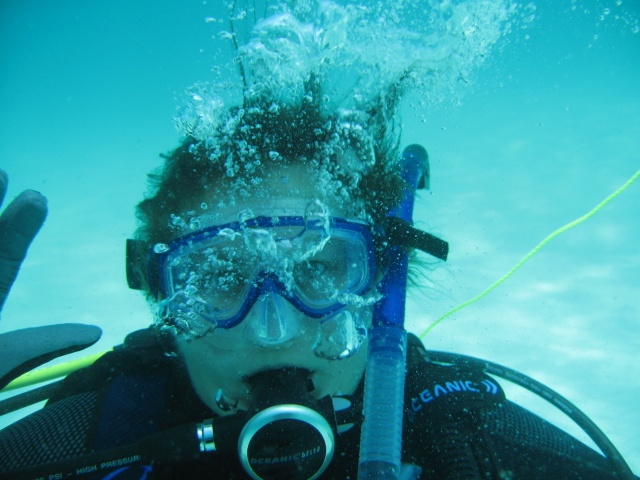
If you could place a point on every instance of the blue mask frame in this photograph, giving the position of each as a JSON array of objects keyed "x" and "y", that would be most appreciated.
[{"x": 263, "y": 282}]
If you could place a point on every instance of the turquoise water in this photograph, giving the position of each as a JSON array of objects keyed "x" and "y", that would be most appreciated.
[{"x": 534, "y": 131}]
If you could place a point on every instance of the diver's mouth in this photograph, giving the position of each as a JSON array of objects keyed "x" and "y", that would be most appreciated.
[
  {"x": 269, "y": 385},
  {"x": 280, "y": 386},
  {"x": 287, "y": 378}
]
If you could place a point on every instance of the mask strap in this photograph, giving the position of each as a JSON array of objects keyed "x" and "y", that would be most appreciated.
[{"x": 400, "y": 232}]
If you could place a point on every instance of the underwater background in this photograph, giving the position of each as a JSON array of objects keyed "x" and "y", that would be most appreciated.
[{"x": 541, "y": 123}]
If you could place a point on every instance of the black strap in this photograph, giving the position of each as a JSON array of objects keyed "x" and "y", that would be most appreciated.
[{"x": 400, "y": 232}]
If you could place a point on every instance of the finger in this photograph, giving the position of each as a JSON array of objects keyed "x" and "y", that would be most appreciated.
[{"x": 19, "y": 224}]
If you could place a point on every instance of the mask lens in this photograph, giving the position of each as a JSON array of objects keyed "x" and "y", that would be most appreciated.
[
  {"x": 313, "y": 267},
  {"x": 340, "y": 267},
  {"x": 216, "y": 271}
]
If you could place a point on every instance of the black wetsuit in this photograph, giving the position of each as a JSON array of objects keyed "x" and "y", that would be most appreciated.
[{"x": 458, "y": 425}]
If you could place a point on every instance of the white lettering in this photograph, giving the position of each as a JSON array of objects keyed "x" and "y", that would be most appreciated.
[
  {"x": 87, "y": 469},
  {"x": 285, "y": 458},
  {"x": 120, "y": 462}
]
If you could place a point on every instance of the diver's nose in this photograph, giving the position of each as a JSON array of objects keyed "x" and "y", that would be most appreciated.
[{"x": 272, "y": 320}]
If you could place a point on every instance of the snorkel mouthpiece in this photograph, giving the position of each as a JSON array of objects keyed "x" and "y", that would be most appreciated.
[{"x": 289, "y": 435}]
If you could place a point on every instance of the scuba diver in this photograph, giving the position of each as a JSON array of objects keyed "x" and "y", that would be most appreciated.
[
  {"x": 274, "y": 248},
  {"x": 275, "y": 256}
]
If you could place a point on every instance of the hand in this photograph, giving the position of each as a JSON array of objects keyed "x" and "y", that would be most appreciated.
[
  {"x": 19, "y": 224},
  {"x": 25, "y": 349}
]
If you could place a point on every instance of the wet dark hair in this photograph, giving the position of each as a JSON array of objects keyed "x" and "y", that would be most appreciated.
[{"x": 297, "y": 133}]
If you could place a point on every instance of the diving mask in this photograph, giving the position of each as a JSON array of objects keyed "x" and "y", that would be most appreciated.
[{"x": 318, "y": 264}]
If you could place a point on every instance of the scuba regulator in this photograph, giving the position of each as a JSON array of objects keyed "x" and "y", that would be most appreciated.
[{"x": 289, "y": 434}]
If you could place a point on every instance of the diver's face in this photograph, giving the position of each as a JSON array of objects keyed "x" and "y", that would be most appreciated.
[{"x": 274, "y": 333}]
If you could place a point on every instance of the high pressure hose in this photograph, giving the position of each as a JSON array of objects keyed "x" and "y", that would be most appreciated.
[{"x": 381, "y": 437}]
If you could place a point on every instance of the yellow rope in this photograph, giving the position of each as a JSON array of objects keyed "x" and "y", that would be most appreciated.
[
  {"x": 51, "y": 373},
  {"x": 535, "y": 250}
]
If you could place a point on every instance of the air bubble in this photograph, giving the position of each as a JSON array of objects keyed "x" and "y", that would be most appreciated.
[
  {"x": 160, "y": 248},
  {"x": 352, "y": 56},
  {"x": 245, "y": 215},
  {"x": 177, "y": 221},
  {"x": 229, "y": 233},
  {"x": 194, "y": 223}
]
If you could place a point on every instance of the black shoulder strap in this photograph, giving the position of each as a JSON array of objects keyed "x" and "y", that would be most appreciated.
[{"x": 437, "y": 391}]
